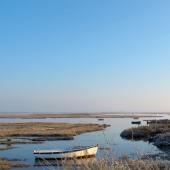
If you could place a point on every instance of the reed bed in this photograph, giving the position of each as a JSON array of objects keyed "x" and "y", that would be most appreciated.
[
  {"x": 46, "y": 129},
  {"x": 7, "y": 165},
  {"x": 107, "y": 164},
  {"x": 157, "y": 132},
  {"x": 4, "y": 164}
]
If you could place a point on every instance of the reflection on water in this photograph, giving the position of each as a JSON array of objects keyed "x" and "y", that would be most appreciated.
[
  {"x": 108, "y": 138},
  {"x": 65, "y": 162}
]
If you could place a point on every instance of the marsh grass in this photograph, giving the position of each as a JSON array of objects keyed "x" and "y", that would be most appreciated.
[
  {"x": 145, "y": 132},
  {"x": 126, "y": 164},
  {"x": 47, "y": 129},
  {"x": 4, "y": 164},
  {"x": 107, "y": 164},
  {"x": 7, "y": 165}
]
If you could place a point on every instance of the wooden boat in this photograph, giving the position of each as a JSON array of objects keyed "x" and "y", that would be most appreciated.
[
  {"x": 136, "y": 122},
  {"x": 67, "y": 154}
]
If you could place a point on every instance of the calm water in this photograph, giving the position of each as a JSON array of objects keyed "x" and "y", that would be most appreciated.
[{"x": 110, "y": 137}]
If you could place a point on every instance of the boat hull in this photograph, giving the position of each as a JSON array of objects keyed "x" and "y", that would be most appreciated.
[{"x": 88, "y": 152}]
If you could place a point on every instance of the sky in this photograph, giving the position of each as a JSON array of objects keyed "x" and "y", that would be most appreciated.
[{"x": 84, "y": 56}]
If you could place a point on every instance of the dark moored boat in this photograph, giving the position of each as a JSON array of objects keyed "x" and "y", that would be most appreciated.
[
  {"x": 136, "y": 122},
  {"x": 100, "y": 119}
]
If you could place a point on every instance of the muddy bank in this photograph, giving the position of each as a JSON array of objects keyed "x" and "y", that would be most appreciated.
[
  {"x": 157, "y": 132},
  {"x": 5, "y": 147},
  {"x": 9, "y": 141}
]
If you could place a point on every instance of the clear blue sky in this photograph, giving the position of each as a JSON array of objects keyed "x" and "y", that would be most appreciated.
[{"x": 84, "y": 55}]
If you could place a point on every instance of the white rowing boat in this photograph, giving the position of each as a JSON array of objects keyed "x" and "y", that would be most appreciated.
[{"x": 67, "y": 154}]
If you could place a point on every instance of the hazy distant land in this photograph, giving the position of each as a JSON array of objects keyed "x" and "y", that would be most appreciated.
[{"x": 76, "y": 115}]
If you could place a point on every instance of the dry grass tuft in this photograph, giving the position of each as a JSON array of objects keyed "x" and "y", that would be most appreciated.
[
  {"x": 4, "y": 164},
  {"x": 7, "y": 165},
  {"x": 121, "y": 165}
]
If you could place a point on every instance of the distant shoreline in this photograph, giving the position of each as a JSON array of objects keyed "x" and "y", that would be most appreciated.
[{"x": 76, "y": 115}]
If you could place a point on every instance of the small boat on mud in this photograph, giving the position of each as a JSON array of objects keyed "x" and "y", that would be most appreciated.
[{"x": 83, "y": 152}]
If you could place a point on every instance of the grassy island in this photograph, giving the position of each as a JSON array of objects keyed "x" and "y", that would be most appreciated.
[
  {"x": 157, "y": 132},
  {"x": 38, "y": 132}
]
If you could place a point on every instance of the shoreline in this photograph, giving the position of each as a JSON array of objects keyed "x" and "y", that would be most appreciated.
[{"x": 75, "y": 115}]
